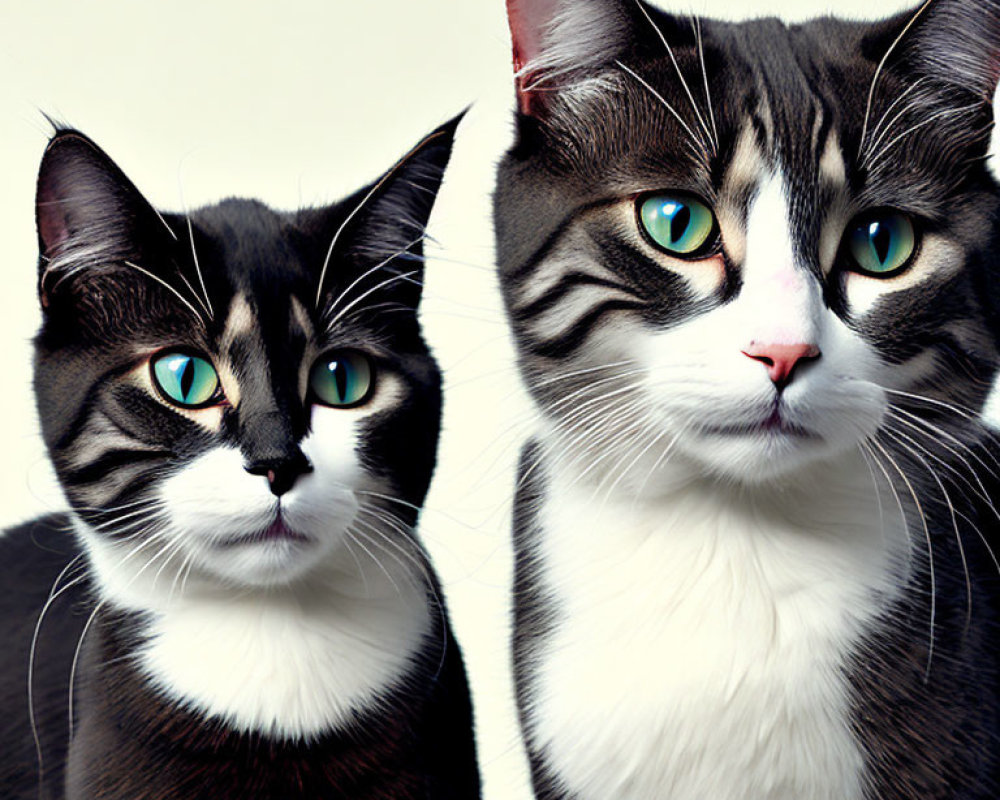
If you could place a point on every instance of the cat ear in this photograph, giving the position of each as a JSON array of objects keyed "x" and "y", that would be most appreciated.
[
  {"x": 381, "y": 228},
  {"x": 88, "y": 213},
  {"x": 958, "y": 44},
  {"x": 951, "y": 46},
  {"x": 552, "y": 38}
]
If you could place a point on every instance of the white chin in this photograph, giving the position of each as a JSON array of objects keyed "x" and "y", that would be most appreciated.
[
  {"x": 267, "y": 562},
  {"x": 755, "y": 457}
]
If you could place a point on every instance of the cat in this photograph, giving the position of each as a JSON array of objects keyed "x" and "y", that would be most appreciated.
[
  {"x": 243, "y": 415},
  {"x": 751, "y": 270}
]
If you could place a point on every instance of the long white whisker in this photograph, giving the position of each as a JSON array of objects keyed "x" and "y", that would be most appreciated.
[
  {"x": 878, "y": 73},
  {"x": 197, "y": 267},
  {"x": 704, "y": 74},
  {"x": 954, "y": 520},
  {"x": 333, "y": 306},
  {"x": 673, "y": 60},
  {"x": 699, "y": 144},
  {"x": 930, "y": 551},
  {"x": 382, "y": 285},
  {"x": 923, "y": 123},
  {"x": 879, "y": 132},
  {"x": 54, "y": 594},
  {"x": 364, "y": 201},
  {"x": 169, "y": 288}
]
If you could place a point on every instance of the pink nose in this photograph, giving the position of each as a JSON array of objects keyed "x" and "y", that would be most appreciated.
[{"x": 781, "y": 359}]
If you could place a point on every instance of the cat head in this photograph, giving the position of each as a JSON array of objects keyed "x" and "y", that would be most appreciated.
[
  {"x": 238, "y": 391},
  {"x": 750, "y": 247}
]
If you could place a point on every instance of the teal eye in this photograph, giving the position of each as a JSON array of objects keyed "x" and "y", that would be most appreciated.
[
  {"x": 341, "y": 378},
  {"x": 186, "y": 380},
  {"x": 679, "y": 224},
  {"x": 882, "y": 243}
]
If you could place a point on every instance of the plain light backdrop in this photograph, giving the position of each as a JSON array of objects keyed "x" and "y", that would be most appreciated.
[{"x": 298, "y": 104}]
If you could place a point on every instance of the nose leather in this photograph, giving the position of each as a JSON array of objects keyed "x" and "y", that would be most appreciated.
[
  {"x": 780, "y": 360},
  {"x": 281, "y": 472}
]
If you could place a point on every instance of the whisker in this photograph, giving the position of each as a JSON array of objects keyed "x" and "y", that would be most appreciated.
[
  {"x": 197, "y": 267},
  {"x": 954, "y": 521},
  {"x": 381, "y": 285},
  {"x": 673, "y": 60},
  {"x": 880, "y": 68},
  {"x": 699, "y": 148},
  {"x": 54, "y": 595},
  {"x": 169, "y": 288},
  {"x": 930, "y": 551},
  {"x": 364, "y": 201},
  {"x": 370, "y": 271}
]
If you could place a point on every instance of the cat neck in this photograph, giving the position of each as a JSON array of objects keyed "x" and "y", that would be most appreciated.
[{"x": 291, "y": 662}]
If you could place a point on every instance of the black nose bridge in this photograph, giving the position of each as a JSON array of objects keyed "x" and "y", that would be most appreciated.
[
  {"x": 272, "y": 450},
  {"x": 266, "y": 435}
]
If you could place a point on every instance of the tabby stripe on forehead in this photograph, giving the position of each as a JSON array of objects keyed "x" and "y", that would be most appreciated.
[
  {"x": 574, "y": 338},
  {"x": 566, "y": 284}
]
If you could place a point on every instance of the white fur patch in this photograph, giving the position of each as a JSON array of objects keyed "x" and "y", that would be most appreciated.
[
  {"x": 284, "y": 638},
  {"x": 701, "y": 638},
  {"x": 711, "y": 572}
]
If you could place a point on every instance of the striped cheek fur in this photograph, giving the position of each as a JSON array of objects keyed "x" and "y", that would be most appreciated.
[
  {"x": 750, "y": 270},
  {"x": 244, "y": 416}
]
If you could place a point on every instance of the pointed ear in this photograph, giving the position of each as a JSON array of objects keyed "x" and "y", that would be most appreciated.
[
  {"x": 951, "y": 47},
  {"x": 88, "y": 213},
  {"x": 552, "y": 38},
  {"x": 956, "y": 43},
  {"x": 380, "y": 229}
]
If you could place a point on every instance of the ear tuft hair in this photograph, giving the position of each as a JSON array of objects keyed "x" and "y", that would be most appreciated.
[
  {"x": 381, "y": 227},
  {"x": 554, "y": 38},
  {"x": 88, "y": 213},
  {"x": 958, "y": 44}
]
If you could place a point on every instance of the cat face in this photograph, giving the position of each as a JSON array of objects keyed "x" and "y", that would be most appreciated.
[
  {"x": 749, "y": 248},
  {"x": 239, "y": 392}
]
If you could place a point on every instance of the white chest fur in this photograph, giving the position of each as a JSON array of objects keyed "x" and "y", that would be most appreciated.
[
  {"x": 290, "y": 663},
  {"x": 701, "y": 639}
]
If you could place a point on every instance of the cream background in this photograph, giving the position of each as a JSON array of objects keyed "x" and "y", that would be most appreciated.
[{"x": 299, "y": 105}]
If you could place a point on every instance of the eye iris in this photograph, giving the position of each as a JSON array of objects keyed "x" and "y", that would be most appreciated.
[
  {"x": 884, "y": 244},
  {"x": 678, "y": 225},
  {"x": 186, "y": 380},
  {"x": 341, "y": 379}
]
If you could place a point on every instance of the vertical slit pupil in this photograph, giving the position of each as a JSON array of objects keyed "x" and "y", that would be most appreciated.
[
  {"x": 881, "y": 240},
  {"x": 187, "y": 378},
  {"x": 340, "y": 379},
  {"x": 679, "y": 223}
]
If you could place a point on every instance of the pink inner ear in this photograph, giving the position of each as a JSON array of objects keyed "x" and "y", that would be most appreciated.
[
  {"x": 52, "y": 227},
  {"x": 529, "y": 21}
]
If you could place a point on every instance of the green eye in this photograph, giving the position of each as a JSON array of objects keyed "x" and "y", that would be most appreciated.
[
  {"x": 882, "y": 243},
  {"x": 679, "y": 224},
  {"x": 341, "y": 378},
  {"x": 184, "y": 379}
]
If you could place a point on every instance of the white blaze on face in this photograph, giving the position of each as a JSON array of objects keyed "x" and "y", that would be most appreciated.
[
  {"x": 714, "y": 399},
  {"x": 780, "y": 301}
]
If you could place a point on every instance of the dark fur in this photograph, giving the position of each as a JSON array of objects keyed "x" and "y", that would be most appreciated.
[
  {"x": 128, "y": 740},
  {"x": 924, "y": 738}
]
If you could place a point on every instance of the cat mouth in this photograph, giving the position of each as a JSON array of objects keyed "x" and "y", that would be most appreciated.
[
  {"x": 277, "y": 531},
  {"x": 775, "y": 424}
]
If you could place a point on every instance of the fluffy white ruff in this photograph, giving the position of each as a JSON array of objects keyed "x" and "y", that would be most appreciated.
[
  {"x": 285, "y": 638},
  {"x": 701, "y": 639},
  {"x": 290, "y": 662}
]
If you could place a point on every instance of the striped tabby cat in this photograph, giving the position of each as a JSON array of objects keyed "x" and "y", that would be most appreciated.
[
  {"x": 751, "y": 271},
  {"x": 244, "y": 417}
]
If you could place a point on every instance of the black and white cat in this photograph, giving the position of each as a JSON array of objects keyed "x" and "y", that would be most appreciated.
[
  {"x": 752, "y": 273},
  {"x": 244, "y": 417}
]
